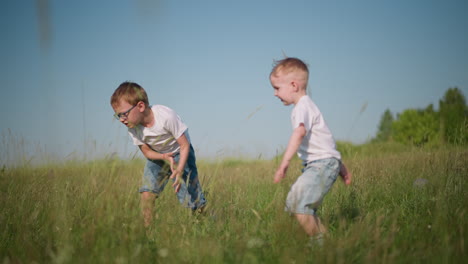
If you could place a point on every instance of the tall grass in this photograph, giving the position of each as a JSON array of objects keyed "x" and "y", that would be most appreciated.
[{"x": 89, "y": 213}]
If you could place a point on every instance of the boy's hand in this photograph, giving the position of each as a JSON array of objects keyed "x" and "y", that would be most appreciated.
[
  {"x": 346, "y": 178},
  {"x": 169, "y": 157},
  {"x": 345, "y": 174},
  {"x": 280, "y": 173},
  {"x": 177, "y": 175}
]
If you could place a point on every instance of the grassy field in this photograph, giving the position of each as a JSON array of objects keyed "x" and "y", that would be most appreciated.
[{"x": 89, "y": 213}]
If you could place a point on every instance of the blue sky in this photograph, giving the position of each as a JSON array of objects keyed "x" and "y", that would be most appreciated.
[{"x": 210, "y": 61}]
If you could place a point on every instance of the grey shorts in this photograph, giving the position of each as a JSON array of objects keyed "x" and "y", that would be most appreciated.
[
  {"x": 307, "y": 192},
  {"x": 157, "y": 173}
]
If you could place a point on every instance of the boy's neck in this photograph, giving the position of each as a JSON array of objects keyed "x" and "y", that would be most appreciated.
[
  {"x": 299, "y": 95},
  {"x": 148, "y": 118}
]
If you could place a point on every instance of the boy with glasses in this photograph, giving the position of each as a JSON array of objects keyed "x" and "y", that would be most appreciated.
[{"x": 164, "y": 140}]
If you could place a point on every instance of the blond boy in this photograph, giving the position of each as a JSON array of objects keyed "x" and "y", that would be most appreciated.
[
  {"x": 313, "y": 142},
  {"x": 164, "y": 140}
]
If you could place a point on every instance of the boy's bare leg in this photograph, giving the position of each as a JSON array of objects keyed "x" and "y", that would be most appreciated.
[
  {"x": 147, "y": 204},
  {"x": 311, "y": 224}
]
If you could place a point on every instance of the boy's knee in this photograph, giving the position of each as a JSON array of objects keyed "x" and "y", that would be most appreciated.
[{"x": 148, "y": 196}]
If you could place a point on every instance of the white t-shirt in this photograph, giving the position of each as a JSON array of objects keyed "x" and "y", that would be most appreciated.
[
  {"x": 318, "y": 143},
  {"x": 161, "y": 137}
]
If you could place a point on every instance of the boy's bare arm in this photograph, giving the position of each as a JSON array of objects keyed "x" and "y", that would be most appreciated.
[
  {"x": 184, "y": 152},
  {"x": 294, "y": 143},
  {"x": 153, "y": 155}
]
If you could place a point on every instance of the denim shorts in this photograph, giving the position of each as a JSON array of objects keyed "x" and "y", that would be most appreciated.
[
  {"x": 307, "y": 192},
  {"x": 157, "y": 173}
]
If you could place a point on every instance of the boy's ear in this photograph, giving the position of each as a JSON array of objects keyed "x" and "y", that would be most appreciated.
[
  {"x": 141, "y": 105},
  {"x": 295, "y": 86}
]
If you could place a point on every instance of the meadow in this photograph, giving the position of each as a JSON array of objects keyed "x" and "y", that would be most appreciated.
[{"x": 405, "y": 205}]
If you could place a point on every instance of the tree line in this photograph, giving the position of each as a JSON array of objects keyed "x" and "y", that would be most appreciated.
[{"x": 448, "y": 125}]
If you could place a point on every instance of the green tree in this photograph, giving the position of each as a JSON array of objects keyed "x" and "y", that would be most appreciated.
[
  {"x": 454, "y": 117},
  {"x": 417, "y": 127},
  {"x": 385, "y": 127}
]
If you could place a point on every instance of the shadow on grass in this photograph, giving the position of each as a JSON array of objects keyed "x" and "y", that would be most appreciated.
[{"x": 347, "y": 212}]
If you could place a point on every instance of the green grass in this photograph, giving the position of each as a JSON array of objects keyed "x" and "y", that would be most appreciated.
[{"x": 89, "y": 213}]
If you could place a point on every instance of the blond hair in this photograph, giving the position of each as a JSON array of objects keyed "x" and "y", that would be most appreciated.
[
  {"x": 130, "y": 92},
  {"x": 291, "y": 65}
]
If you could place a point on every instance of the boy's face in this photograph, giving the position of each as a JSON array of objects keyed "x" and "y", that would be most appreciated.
[
  {"x": 284, "y": 87},
  {"x": 127, "y": 113}
]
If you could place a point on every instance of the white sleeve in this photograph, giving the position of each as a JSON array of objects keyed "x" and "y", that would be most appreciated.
[
  {"x": 174, "y": 124},
  {"x": 301, "y": 116}
]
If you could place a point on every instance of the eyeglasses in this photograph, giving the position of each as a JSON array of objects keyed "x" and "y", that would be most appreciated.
[{"x": 123, "y": 115}]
